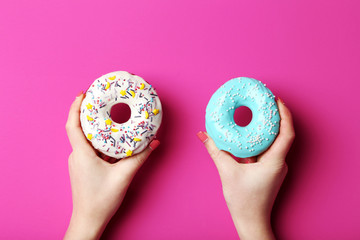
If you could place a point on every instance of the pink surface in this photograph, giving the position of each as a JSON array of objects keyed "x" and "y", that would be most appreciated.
[{"x": 307, "y": 52}]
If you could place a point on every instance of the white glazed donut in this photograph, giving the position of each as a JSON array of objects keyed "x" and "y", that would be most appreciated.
[{"x": 111, "y": 138}]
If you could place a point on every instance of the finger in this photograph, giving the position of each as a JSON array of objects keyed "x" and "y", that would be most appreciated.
[
  {"x": 73, "y": 127},
  {"x": 282, "y": 143},
  {"x": 131, "y": 165},
  {"x": 247, "y": 160},
  {"x": 222, "y": 159},
  {"x": 107, "y": 158}
]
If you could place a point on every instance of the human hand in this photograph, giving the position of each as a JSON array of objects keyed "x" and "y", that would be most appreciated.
[
  {"x": 98, "y": 187},
  {"x": 250, "y": 189}
]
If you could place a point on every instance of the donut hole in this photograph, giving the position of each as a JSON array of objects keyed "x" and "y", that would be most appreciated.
[
  {"x": 243, "y": 116},
  {"x": 120, "y": 113}
]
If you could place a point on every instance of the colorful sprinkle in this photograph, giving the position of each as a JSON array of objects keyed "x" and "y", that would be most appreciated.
[
  {"x": 107, "y": 85},
  {"x": 89, "y": 136},
  {"x": 129, "y": 153},
  {"x": 108, "y": 122},
  {"x": 146, "y": 114},
  {"x": 89, "y": 106},
  {"x": 114, "y": 129},
  {"x": 155, "y": 111},
  {"x": 142, "y": 86},
  {"x": 89, "y": 118},
  {"x": 112, "y": 78},
  {"x": 137, "y": 139},
  {"x": 123, "y": 92},
  {"x": 132, "y": 93}
]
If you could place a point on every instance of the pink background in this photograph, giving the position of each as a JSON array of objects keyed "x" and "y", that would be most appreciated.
[{"x": 307, "y": 52}]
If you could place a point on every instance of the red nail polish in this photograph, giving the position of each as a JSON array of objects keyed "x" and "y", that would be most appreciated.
[
  {"x": 280, "y": 100},
  {"x": 154, "y": 144},
  {"x": 202, "y": 136},
  {"x": 247, "y": 160},
  {"x": 79, "y": 94}
]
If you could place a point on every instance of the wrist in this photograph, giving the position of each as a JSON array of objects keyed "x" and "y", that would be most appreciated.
[
  {"x": 84, "y": 228},
  {"x": 254, "y": 227}
]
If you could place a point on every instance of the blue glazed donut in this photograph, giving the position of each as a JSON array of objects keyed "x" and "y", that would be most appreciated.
[{"x": 259, "y": 134}]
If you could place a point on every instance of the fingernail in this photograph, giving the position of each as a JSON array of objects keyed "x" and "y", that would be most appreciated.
[
  {"x": 247, "y": 160},
  {"x": 202, "y": 136},
  {"x": 154, "y": 144},
  {"x": 280, "y": 100},
  {"x": 79, "y": 94}
]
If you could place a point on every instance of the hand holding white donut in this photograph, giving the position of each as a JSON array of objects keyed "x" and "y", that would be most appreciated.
[{"x": 98, "y": 187}]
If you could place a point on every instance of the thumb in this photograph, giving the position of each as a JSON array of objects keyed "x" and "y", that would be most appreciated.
[
  {"x": 223, "y": 160},
  {"x": 131, "y": 165},
  {"x": 279, "y": 149}
]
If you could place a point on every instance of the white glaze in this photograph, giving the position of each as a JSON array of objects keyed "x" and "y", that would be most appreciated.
[{"x": 111, "y": 138}]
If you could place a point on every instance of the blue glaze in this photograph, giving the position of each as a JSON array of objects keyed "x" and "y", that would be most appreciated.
[{"x": 259, "y": 134}]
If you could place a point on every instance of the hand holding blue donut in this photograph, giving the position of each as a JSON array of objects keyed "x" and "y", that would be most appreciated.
[{"x": 250, "y": 189}]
